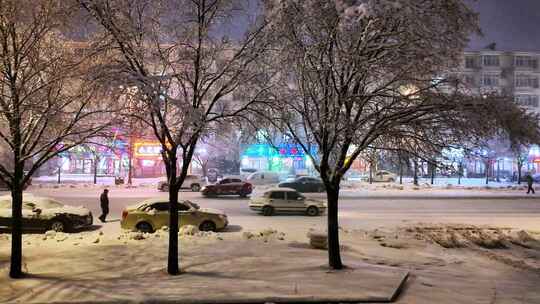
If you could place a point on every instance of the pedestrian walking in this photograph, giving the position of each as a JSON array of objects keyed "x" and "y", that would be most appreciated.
[
  {"x": 104, "y": 200},
  {"x": 530, "y": 181}
]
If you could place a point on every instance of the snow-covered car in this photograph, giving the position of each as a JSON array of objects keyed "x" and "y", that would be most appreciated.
[
  {"x": 286, "y": 200},
  {"x": 152, "y": 214},
  {"x": 382, "y": 176},
  {"x": 42, "y": 213},
  {"x": 193, "y": 182}
]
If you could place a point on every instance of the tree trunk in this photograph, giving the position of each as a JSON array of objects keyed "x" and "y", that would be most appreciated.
[
  {"x": 432, "y": 173},
  {"x": 370, "y": 173},
  {"x": 15, "y": 270},
  {"x": 400, "y": 171},
  {"x": 59, "y": 173},
  {"x": 415, "y": 177},
  {"x": 498, "y": 172},
  {"x": 173, "y": 267},
  {"x": 487, "y": 172},
  {"x": 520, "y": 166},
  {"x": 130, "y": 160},
  {"x": 96, "y": 160},
  {"x": 460, "y": 172},
  {"x": 334, "y": 255},
  {"x": 204, "y": 169}
]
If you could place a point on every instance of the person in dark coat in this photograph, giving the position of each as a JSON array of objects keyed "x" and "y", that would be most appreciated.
[
  {"x": 104, "y": 200},
  {"x": 530, "y": 181}
]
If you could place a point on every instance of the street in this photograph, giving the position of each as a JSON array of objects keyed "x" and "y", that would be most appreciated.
[{"x": 356, "y": 211}]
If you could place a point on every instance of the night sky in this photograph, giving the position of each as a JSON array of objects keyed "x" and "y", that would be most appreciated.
[{"x": 513, "y": 24}]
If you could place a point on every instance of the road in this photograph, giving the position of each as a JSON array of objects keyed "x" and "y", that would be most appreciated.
[{"x": 356, "y": 212}]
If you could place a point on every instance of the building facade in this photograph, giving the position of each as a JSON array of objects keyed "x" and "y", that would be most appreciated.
[{"x": 512, "y": 73}]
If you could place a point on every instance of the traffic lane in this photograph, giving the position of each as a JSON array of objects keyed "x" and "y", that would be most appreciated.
[
  {"x": 365, "y": 214},
  {"x": 234, "y": 204},
  {"x": 354, "y": 213}
]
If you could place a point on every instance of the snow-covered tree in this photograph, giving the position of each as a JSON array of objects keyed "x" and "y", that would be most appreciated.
[
  {"x": 48, "y": 97},
  {"x": 183, "y": 61},
  {"x": 353, "y": 73}
]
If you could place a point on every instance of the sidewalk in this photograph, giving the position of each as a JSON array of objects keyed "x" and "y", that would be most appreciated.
[{"x": 227, "y": 272}]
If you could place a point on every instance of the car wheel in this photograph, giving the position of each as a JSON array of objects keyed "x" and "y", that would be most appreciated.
[
  {"x": 144, "y": 227},
  {"x": 207, "y": 226},
  {"x": 242, "y": 194},
  {"x": 267, "y": 210},
  {"x": 391, "y": 180},
  {"x": 195, "y": 187},
  {"x": 321, "y": 189},
  {"x": 59, "y": 225},
  {"x": 312, "y": 211},
  {"x": 164, "y": 188}
]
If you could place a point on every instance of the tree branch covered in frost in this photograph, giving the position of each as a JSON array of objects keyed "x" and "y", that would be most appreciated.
[
  {"x": 48, "y": 92},
  {"x": 355, "y": 72},
  {"x": 182, "y": 71},
  {"x": 350, "y": 77}
]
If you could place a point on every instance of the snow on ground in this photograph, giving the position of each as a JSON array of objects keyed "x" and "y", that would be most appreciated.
[
  {"x": 85, "y": 180},
  {"x": 447, "y": 263}
]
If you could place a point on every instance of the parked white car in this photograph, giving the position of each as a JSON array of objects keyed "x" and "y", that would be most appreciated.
[
  {"x": 382, "y": 176},
  {"x": 263, "y": 178},
  {"x": 286, "y": 200},
  {"x": 193, "y": 182}
]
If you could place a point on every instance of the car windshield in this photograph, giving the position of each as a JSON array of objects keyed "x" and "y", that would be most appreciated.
[{"x": 45, "y": 203}]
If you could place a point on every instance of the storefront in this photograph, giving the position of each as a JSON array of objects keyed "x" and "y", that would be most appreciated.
[
  {"x": 284, "y": 159},
  {"x": 147, "y": 159},
  {"x": 80, "y": 160}
]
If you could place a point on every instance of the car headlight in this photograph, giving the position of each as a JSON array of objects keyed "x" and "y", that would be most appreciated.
[{"x": 222, "y": 216}]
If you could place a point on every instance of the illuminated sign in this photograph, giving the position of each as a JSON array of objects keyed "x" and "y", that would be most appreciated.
[
  {"x": 283, "y": 150},
  {"x": 146, "y": 149}
]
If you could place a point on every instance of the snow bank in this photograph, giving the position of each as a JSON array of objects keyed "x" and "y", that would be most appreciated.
[{"x": 266, "y": 235}]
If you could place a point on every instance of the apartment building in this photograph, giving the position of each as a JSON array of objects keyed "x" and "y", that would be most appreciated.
[{"x": 513, "y": 73}]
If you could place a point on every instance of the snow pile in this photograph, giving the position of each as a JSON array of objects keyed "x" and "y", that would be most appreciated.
[
  {"x": 266, "y": 235},
  {"x": 459, "y": 236},
  {"x": 188, "y": 230},
  {"x": 318, "y": 240}
]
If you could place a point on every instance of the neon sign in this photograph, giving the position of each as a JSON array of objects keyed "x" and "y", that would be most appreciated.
[{"x": 146, "y": 149}]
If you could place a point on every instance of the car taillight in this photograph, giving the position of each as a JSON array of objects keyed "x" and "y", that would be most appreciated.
[{"x": 124, "y": 214}]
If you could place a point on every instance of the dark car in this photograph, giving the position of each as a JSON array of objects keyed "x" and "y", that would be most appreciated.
[
  {"x": 228, "y": 186},
  {"x": 41, "y": 213},
  {"x": 304, "y": 184}
]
